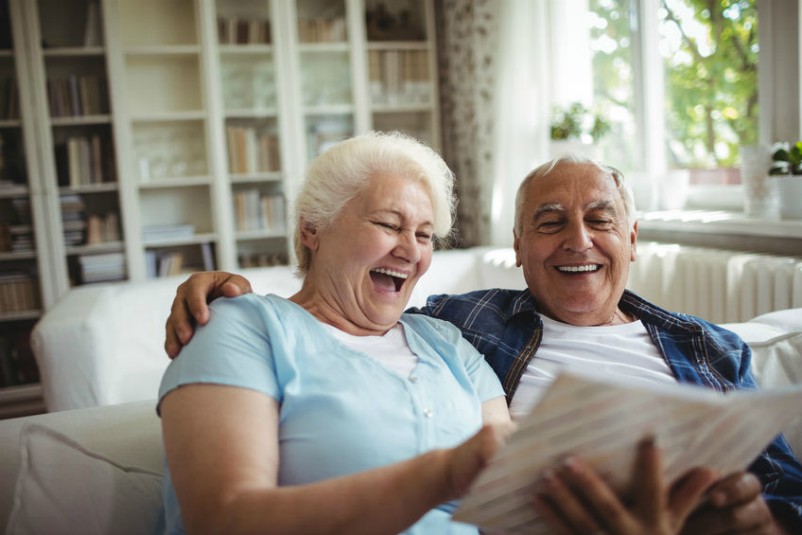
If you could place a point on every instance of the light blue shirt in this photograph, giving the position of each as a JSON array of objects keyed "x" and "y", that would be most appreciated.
[{"x": 341, "y": 411}]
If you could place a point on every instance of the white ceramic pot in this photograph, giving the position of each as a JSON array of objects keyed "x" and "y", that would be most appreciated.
[{"x": 789, "y": 190}]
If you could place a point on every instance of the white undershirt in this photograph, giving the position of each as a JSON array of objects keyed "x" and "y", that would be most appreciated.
[
  {"x": 391, "y": 349},
  {"x": 625, "y": 351}
]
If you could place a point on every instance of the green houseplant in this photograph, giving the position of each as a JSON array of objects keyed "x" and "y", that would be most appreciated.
[
  {"x": 786, "y": 160},
  {"x": 786, "y": 167},
  {"x": 577, "y": 122}
]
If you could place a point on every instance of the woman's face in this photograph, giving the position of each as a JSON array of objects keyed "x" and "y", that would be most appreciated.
[{"x": 366, "y": 264}]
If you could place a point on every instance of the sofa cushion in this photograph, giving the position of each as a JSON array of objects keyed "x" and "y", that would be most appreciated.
[{"x": 64, "y": 488}]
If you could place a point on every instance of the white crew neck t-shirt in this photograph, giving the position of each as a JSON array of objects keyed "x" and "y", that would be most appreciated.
[{"x": 624, "y": 351}]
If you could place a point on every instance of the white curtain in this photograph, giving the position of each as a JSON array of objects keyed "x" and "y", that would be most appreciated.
[
  {"x": 495, "y": 106},
  {"x": 521, "y": 107}
]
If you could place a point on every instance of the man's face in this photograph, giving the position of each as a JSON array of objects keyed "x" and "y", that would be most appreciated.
[{"x": 575, "y": 244}]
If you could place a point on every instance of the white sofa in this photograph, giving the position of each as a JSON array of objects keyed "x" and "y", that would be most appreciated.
[{"x": 94, "y": 466}]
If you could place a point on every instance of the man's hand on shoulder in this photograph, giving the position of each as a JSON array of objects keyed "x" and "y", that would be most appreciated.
[{"x": 190, "y": 306}]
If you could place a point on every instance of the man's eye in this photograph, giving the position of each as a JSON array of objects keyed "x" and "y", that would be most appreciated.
[{"x": 549, "y": 225}]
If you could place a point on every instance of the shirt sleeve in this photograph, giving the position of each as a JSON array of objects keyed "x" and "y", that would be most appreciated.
[{"x": 232, "y": 349}]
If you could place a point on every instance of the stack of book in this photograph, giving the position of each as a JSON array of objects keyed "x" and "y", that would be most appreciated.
[
  {"x": 322, "y": 30},
  {"x": 72, "y": 218},
  {"x": 16, "y": 234},
  {"x": 102, "y": 267},
  {"x": 167, "y": 233}
]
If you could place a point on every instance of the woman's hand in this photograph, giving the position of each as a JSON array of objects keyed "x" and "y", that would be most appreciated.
[
  {"x": 190, "y": 305},
  {"x": 576, "y": 500},
  {"x": 470, "y": 457}
]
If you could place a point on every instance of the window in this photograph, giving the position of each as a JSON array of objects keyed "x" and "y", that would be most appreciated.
[{"x": 678, "y": 81}]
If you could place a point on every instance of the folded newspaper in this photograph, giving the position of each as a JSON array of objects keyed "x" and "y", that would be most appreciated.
[{"x": 603, "y": 420}]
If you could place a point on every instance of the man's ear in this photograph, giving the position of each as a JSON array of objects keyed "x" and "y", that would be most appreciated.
[
  {"x": 516, "y": 244},
  {"x": 633, "y": 239},
  {"x": 309, "y": 235}
]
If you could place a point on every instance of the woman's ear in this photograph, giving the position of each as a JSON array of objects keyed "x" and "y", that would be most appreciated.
[{"x": 309, "y": 236}]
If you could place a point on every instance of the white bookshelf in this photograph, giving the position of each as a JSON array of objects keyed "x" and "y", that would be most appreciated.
[{"x": 208, "y": 112}]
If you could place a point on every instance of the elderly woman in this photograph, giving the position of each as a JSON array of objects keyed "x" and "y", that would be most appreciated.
[{"x": 332, "y": 411}]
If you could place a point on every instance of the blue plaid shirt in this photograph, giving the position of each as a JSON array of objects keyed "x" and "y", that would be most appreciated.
[{"x": 505, "y": 326}]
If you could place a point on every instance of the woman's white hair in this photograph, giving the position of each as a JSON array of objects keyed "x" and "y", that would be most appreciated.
[
  {"x": 624, "y": 189},
  {"x": 341, "y": 172}
]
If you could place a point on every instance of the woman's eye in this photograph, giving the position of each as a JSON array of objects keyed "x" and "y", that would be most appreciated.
[
  {"x": 425, "y": 236},
  {"x": 389, "y": 226}
]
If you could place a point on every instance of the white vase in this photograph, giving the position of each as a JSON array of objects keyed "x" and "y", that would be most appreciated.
[{"x": 789, "y": 190}]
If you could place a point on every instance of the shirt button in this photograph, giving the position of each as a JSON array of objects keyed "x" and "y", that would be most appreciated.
[
  {"x": 428, "y": 413},
  {"x": 413, "y": 378}
]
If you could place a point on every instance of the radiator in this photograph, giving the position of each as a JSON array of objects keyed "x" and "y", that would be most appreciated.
[{"x": 717, "y": 285}]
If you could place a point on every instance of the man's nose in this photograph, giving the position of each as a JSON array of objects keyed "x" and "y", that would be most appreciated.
[{"x": 578, "y": 238}]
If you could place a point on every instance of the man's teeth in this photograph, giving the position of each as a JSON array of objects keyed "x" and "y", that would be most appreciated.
[
  {"x": 577, "y": 269},
  {"x": 391, "y": 273}
]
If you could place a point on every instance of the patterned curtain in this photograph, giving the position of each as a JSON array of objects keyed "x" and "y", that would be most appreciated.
[{"x": 467, "y": 42}]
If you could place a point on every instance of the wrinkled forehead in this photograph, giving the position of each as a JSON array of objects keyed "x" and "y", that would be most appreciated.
[{"x": 572, "y": 186}]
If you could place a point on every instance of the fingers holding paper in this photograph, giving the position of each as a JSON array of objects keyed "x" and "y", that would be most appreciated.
[
  {"x": 736, "y": 505},
  {"x": 576, "y": 499}
]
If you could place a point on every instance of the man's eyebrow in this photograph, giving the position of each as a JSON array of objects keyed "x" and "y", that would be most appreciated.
[
  {"x": 547, "y": 208},
  {"x": 603, "y": 204}
]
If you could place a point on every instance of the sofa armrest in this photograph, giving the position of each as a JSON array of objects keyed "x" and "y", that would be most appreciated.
[{"x": 129, "y": 433}]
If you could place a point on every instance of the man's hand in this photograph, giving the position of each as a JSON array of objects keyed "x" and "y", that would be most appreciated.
[
  {"x": 735, "y": 505},
  {"x": 575, "y": 499},
  {"x": 190, "y": 304}
]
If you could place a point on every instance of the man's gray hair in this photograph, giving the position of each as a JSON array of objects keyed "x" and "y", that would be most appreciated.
[
  {"x": 624, "y": 189},
  {"x": 341, "y": 172}
]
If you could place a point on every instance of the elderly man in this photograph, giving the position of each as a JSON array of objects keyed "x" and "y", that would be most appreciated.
[{"x": 575, "y": 236}]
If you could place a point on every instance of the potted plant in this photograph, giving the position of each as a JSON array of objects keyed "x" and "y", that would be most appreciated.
[
  {"x": 786, "y": 167},
  {"x": 575, "y": 128}
]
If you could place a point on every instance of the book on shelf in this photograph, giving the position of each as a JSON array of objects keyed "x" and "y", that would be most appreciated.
[
  {"x": 18, "y": 292},
  {"x": 93, "y": 32},
  {"x": 251, "y": 151},
  {"x": 179, "y": 231},
  {"x": 102, "y": 228},
  {"x": 77, "y": 95},
  {"x": 84, "y": 161},
  {"x": 234, "y": 30},
  {"x": 163, "y": 264},
  {"x": 9, "y": 99},
  {"x": 322, "y": 30},
  {"x": 254, "y": 210},
  {"x": 594, "y": 418}
]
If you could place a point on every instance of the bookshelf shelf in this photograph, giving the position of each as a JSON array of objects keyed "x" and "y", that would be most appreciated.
[
  {"x": 13, "y": 191},
  {"x": 20, "y": 315},
  {"x": 6, "y": 256},
  {"x": 194, "y": 240},
  {"x": 81, "y": 120},
  {"x": 246, "y": 49},
  {"x": 163, "y": 51},
  {"x": 108, "y": 247},
  {"x": 77, "y": 52},
  {"x": 10, "y": 123},
  {"x": 175, "y": 182}
]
